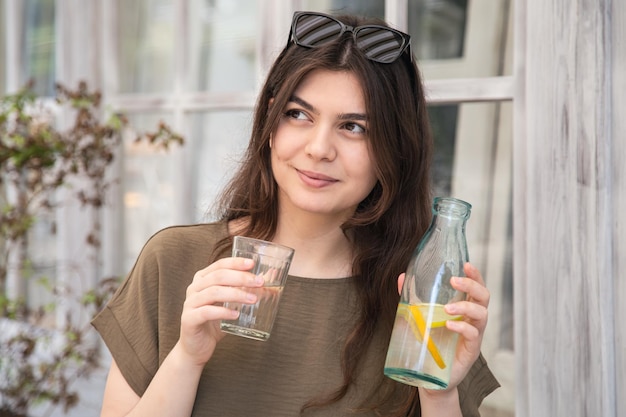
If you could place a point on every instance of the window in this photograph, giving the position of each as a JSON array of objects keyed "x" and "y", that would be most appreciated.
[
  {"x": 437, "y": 28},
  {"x": 37, "y": 43},
  {"x": 146, "y": 44},
  {"x": 3, "y": 52}
]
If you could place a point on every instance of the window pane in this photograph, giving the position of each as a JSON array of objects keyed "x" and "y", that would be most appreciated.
[
  {"x": 42, "y": 262},
  {"x": 148, "y": 176},
  {"x": 146, "y": 45},
  {"x": 372, "y": 8},
  {"x": 37, "y": 44},
  {"x": 437, "y": 28},
  {"x": 222, "y": 46},
  {"x": 461, "y": 38},
  {"x": 506, "y": 325},
  {"x": 218, "y": 141},
  {"x": 443, "y": 121},
  {"x": 3, "y": 52}
]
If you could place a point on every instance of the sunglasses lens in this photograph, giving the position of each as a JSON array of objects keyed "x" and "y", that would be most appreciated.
[
  {"x": 379, "y": 44},
  {"x": 314, "y": 30}
]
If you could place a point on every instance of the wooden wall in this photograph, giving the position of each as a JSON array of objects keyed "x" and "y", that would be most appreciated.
[
  {"x": 570, "y": 207},
  {"x": 618, "y": 206}
]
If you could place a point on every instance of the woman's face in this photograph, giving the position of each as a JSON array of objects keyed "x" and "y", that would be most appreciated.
[{"x": 321, "y": 158}]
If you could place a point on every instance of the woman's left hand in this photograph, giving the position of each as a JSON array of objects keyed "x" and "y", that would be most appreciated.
[{"x": 472, "y": 327}]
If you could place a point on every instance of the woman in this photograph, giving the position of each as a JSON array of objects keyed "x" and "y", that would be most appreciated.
[{"x": 338, "y": 169}]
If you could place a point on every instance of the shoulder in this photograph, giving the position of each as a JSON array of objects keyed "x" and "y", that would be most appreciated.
[
  {"x": 176, "y": 239},
  {"x": 180, "y": 250},
  {"x": 172, "y": 256}
]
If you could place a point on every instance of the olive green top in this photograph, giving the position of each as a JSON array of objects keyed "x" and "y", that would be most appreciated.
[{"x": 300, "y": 361}]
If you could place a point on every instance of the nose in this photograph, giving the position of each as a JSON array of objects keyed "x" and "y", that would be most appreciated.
[{"x": 320, "y": 144}]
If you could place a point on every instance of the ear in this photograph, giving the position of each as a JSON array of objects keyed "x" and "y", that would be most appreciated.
[{"x": 401, "y": 282}]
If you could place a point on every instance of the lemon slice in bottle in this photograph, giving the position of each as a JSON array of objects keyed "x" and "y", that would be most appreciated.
[
  {"x": 435, "y": 313},
  {"x": 416, "y": 315}
]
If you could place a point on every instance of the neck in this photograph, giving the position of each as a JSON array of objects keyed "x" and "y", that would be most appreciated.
[{"x": 322, "y": 249}]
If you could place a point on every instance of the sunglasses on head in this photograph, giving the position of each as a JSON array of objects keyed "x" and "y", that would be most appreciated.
[{"x": 378, "y": 43}]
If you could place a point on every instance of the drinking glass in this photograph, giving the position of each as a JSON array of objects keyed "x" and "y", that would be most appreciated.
[{"x": 271, "y": 261}]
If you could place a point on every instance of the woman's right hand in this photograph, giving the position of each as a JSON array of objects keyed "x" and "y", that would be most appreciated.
[{"x": 223, "y": 281}]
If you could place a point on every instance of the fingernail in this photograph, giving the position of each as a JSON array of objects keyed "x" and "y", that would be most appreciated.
[
  {"x": 248, "y": 263},
  {"x": 250, "y": 297}
]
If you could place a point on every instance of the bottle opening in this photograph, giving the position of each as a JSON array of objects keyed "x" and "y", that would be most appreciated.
[{"x": 452, "y": 207}]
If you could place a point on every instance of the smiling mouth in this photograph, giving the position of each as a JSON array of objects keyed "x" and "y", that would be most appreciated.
[{"x": 316, "y": 179}]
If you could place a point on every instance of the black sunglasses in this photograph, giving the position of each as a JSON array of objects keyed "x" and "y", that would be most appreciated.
[{"x": 378, "y": 43}]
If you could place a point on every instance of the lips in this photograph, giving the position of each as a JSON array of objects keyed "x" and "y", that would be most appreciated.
[{"x": 316, "y": 179}]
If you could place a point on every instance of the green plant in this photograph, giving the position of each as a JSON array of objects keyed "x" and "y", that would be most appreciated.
[
  {"x": 40, "y": 354},
  {"x": 38, "y": 363}
]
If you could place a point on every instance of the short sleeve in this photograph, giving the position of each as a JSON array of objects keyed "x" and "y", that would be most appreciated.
[
  {"x": 141, "y": 323},
  {"x": 478, "y": 383},
  {"x": 128, "y": 323}
]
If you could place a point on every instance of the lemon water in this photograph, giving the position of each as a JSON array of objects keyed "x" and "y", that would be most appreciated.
[
  {"x": 255, "y": 321},
  {"x": 421, "y": 349}
]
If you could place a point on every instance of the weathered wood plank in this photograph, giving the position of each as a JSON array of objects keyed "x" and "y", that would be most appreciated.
[
  {"x": 618, "y": 149},
  {"x": 563, "y": 201}
]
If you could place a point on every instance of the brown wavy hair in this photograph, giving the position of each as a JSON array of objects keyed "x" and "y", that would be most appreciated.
[{"x": 389, "y": 222}]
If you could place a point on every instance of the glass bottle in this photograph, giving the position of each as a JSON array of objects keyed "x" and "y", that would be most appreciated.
[{"x": 422, "y": 349}]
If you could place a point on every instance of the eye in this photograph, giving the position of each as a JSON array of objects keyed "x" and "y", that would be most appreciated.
[
  {"x": 355, "y": 128},
  {"x": 296, "y": 114}
]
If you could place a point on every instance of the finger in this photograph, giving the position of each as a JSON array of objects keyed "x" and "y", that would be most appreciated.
[
  {"x": 470, "y": 333},
  {"x": 219, "y": 294},
  {"x": 475, "y": 313},
  {"x": 476, "y": 291},
  {"x": 236, "y": 277},
  {"x": 472, "y": 272},
  {"x": 201, "y": 315},
  {"x": 208, "y": 305},
  {"x": 239, "y": 264}
]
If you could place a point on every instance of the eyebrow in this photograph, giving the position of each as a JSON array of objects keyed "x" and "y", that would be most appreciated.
[{"x": 312, "y": 109}]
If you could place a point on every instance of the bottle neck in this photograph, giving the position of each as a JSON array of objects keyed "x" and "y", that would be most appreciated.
[
  {"x": 451, "y": 209},
  {"x": 447, "y": 222}
]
